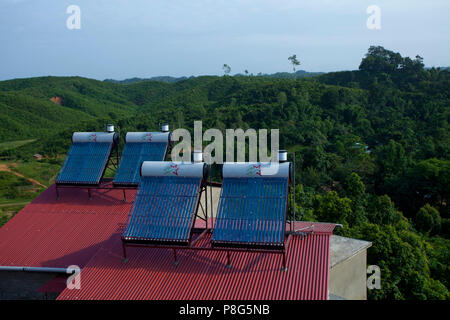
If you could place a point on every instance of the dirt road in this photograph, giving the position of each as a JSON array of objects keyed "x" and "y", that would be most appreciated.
[{"x": 4, "y": 167}]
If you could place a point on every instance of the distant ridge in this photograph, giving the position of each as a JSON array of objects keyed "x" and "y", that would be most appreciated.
[{"x": 168, "y": 79}]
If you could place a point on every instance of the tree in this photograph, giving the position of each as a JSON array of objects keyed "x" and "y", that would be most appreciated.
[
  {"x": 378, "y": 60},
  {"x": 433, "y": 179},
  {"x": 293, "y": 60},
  {"x": 428, "y": 181},
  {"x": 391, "y": 159},
  {"x": 282, "y": 99},
  {"x": 330, "y": 207},
  {"x": 428, "y": 220},
  {"x": 355, "y": 190},
  {"x": 226, "y": 69},
  {"x": 401, "y": 256},
  {"x": 381, "y": 210}
]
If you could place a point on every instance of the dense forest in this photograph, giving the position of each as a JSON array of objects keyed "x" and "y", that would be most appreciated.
[{"x": 372, "y": 145}]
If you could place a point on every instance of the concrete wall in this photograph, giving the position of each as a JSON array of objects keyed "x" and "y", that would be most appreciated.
[
  {"x": 348, "y": 278},
  {"x": 348, "y": 259},
  {"x": 19, "y": 285}
]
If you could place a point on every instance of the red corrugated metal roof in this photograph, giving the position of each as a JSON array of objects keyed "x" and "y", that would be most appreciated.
[
  {"x": 60, "y": 233},
  {"x": 202, "y": 275},
  {"x": 56, "y": 285},
  {"x": 78, "y": 231}
]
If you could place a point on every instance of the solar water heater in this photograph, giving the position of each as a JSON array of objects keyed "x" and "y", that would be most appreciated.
[
  {"x": 87, "y": 159},
  {"x": 166, "y": 203},
  {"x": 252, "y": 206},
  {"x": 140, "y": 147}
]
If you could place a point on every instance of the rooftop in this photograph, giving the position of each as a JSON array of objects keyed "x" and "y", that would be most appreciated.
[
  {"x": 59, "y": 233},
  {"x": 204, "y": 275},
  {"x": 77, "y": 231},
  {"x": 342, "y": 248}
]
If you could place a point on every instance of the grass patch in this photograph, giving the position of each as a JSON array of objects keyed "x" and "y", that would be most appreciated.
[
  {"x": 14, "y": 144},
  {"x": 14, "y": 189},
  {"x": 6, "y": 213},
  {"x": 44, "y": 171}
]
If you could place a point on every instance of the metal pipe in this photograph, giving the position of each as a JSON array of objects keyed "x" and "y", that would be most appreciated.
[
  {"x": 206, "y": 203},
  {"x": 37, "y": 269},
  {"x": 321, "y": 222},
  {"x": 210, "y": 197},
  {"x": 295, "y": 213},
  {"x": 305, "y": 228}
]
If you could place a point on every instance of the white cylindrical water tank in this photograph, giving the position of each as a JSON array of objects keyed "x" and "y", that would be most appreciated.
[
  {"x": 282, "y": 156},
  {"x": 198, "y": 156},
  {"x": 109, "y": 128},
  {"x": 147, "y": 137},
  {"x": 256, "y": 170},
  {"x": 165, "y": 127},
  {"x": 95, "y": 137},
  {"x": 173, "y": 169}
]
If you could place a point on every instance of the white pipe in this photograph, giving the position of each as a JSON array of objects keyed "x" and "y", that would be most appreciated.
[{"x": 37, "y": 269}]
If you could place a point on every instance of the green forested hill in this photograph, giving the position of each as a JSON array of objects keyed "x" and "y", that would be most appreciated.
[
  {"x": 28, "y": 112},
  {"x": 372, "y": 145}
]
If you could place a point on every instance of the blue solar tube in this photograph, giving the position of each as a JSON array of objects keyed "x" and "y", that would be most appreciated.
[{"x": 85, "y": 163}]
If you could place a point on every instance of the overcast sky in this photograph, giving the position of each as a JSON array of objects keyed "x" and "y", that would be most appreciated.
[{"x": 143, "y": 38}]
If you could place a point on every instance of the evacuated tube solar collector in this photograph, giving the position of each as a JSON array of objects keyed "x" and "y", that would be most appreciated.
[
  {"x": 140, "y": 147},
  {"x": 87, "y": 158},
  {"x": 253, "y": 205},
  {"x": 166, "y": 203}
]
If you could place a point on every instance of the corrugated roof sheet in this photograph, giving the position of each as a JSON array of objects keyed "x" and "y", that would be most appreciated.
[
  {"x": 78, "y": 231},
  {"x": 60, "y": 233},
  {"x": 203, "y": 275}
]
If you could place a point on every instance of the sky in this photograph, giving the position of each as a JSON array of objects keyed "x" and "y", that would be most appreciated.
[{"x": 121, "y": 39}]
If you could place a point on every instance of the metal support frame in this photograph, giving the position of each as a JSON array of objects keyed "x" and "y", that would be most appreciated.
[
  {"x": 203, "y": 188},
  {"x": 175, "y": 257},
  {"x": 228, "y": 259},
  {"x": 105, "y": 185},
  {"x": 202, "y": 232},
  {"x": 295, "y": 213}
]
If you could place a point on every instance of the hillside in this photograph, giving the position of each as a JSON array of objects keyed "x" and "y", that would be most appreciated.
[
  {"x": 30, "y": 113},
  {"x": 372, "y": 146},
  {"x": 168, "y": 79}
]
